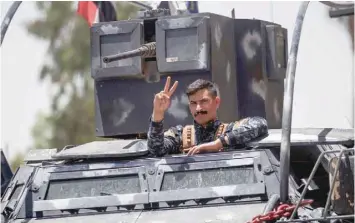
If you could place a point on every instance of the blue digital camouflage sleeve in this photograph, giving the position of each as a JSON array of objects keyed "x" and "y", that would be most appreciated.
[
  {"x": 161, "y": 143},
  {"x": 246, "y": 130}
]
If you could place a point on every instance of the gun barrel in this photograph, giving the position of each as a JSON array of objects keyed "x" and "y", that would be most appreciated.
[{"x": 146, "y": 50}]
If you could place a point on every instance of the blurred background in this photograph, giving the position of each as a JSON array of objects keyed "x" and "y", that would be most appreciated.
[{"x": 47, "y": 97}]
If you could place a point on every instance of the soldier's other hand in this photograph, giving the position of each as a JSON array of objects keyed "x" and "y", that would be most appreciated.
[
  {"x": 197, "y": 150},
  {"x": 162, "y": 99},
  {"x": 209, "y": 147}
]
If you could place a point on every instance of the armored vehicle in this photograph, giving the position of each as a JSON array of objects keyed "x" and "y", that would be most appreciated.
[{"x": 290, "y": 175}]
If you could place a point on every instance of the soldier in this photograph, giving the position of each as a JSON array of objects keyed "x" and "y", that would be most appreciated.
[{"x": 207, "y": 134}]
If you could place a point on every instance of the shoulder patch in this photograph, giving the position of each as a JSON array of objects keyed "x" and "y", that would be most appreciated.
[
  {"x": 239, "y": 123},
  {"x": 170, "y": 133}
]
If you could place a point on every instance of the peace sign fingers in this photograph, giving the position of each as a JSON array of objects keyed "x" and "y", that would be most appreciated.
[
  {"x": 162, "y": 99},
  {"x": 167, "y": 85},
  {"x": 173, "y": 88}
]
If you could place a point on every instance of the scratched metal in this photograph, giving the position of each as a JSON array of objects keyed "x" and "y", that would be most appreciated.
[
  {"x": 112, "y": 38},
  {"x": 220, "y": 214},
  {"x": 77, "y": 188},
  {"x": 90, "y": 202},
  {"x": 302, "y": 136},
  {"x": 155, "y": 162},
  {"x": 97, "y": 149},
  {"x": 125, "y": 217},
  {"x": 176, "y": 159},
  {"x": 123, "y": 148},
  {"x": 257, "y": 95},
  {"x": 183, "y": 44},
  {"x": 124, "y": 106},
  {"x": 206, "y": 178},
  {"x": 40, "y": 154},
  {"x": 208, "y": 192}
]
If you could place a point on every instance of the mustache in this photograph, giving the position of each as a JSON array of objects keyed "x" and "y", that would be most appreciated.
[{"x": 200, "y": 112}]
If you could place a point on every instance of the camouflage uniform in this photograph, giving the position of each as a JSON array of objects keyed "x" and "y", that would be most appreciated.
[{"x": 238, "y": 133}]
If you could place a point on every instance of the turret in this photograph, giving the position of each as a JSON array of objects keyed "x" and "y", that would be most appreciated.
[{"x": 131, "y": 60}]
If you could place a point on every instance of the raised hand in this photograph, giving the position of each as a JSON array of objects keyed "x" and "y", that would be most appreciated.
[{"x": 162, "y": 100}]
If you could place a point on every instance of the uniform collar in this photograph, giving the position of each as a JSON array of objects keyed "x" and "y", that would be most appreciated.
[{"x": 211, "y": 125}]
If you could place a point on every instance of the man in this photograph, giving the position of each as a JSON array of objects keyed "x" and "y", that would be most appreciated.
[{"x": 208, "y": 133}]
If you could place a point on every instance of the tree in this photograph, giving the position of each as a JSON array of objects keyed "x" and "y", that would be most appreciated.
[
  {"x": 71, "y": 120},
  {"x": 16, "y": 162}
]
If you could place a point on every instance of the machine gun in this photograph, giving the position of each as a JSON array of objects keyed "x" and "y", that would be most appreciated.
[{"x": 146, "y": 50}]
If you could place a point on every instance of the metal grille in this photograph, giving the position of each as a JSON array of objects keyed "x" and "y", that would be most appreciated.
[
  {"x": 91, "y": 187},
  {"x": 208, "y": 178}
]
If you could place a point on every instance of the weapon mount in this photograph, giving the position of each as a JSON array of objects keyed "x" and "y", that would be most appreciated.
[{"x": 146, "y": 50}]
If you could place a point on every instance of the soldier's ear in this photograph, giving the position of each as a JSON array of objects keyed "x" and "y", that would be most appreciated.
[{"x": 218, "y": 101}]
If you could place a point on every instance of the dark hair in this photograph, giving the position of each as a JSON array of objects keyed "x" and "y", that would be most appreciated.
[{"x": 202, "y": 84}]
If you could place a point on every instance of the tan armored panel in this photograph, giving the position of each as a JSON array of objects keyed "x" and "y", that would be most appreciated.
[{"x": 342, "y": 198}]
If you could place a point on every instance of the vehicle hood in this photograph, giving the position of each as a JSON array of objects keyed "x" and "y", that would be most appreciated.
[{"x": 217, "y": 214}]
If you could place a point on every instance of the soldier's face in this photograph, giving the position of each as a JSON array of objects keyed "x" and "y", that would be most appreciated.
[{"x": 203, "y": 106}]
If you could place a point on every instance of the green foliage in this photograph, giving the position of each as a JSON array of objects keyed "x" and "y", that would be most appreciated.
[
  {"x": 16, "y": 162},
  {"x": 71, "y": 120}
]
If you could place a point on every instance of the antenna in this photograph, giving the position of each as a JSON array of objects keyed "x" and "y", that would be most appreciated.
[
  {"x": 288, "y": 101},
  {"x": 8, "y": 18}
]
